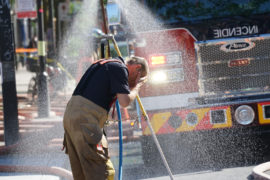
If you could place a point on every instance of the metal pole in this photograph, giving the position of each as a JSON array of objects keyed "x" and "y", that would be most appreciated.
[
  {"x": 52, "y": 26},
  {"x": 106, "y": 27},
  {"x": 9, "y": 92},
  {"x": 29, "y": 29},
  {"x": 43, "y": 97}
]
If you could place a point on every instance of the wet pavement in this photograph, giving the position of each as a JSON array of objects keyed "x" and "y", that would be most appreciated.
[
  {"x": 242, "y": 173},
  {"x": 38, "y": 154}
]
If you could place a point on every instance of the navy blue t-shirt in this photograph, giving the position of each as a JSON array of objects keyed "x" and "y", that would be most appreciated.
[{"x": 104, "y": 83}]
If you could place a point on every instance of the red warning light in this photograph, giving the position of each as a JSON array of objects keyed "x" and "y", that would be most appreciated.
[{"x": 157, "y": 60}]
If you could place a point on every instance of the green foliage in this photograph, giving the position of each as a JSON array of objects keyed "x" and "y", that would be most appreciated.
[
  {"x": 12, "y": 2},
  {"x": 175, "y": 9},
  {"x": 113, "y": 19}
]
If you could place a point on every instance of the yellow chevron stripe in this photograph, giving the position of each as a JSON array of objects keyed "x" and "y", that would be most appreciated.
[
  {"x": 159, "y": 119},
  {"x": 157, "y": 122},
  {"x": 200, "y": 114}
]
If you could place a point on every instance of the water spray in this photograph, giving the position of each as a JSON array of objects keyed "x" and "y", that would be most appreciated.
[
  {"x": 154, "y": 137},
  {"x": 99, "y": 34},
  {"x": 111, "y": 37},
  {"x": 108, "y": 37}
]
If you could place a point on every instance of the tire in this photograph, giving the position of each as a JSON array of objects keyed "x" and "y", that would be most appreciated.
[
  {"x": 181, "y": 155},
  {"x": 150, "y": 154}
]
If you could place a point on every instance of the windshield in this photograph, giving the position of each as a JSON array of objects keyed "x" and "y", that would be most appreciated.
[{"x": 193, "y": 10}]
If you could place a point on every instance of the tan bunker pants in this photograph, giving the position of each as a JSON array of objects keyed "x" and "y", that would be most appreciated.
[{"x": 83, "y": 123}]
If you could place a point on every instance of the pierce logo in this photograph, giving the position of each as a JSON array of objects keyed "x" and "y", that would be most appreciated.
[{"x": 237, "y": 46}]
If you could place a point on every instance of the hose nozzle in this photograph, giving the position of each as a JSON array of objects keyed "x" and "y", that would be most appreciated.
[{"x": 97, "y": 33}]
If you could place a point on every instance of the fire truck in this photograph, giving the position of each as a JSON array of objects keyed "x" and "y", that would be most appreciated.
[{"x": 208, "y": 93}]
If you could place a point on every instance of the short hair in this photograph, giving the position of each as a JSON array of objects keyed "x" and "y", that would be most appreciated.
[{"x": 139, "y": 60}]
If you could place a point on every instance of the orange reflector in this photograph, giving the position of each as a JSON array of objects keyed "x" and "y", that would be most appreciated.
[
  {"x": 26, "y": 50},
  {"x": 155, "y": 60}
]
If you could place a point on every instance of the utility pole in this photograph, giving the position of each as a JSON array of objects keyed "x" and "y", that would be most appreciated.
[
  {"x": 43, "y": 97},
  {"x": 9, "y": 92},
  {"x": 52, "y": 27},
  {"x": 106, "y": 28}
]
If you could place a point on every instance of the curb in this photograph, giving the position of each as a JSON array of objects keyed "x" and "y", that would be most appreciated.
[
  {"x": 7, "y": 149},
  {"x": 259, "y": 171},
  {"x": 38, "y": 169}
]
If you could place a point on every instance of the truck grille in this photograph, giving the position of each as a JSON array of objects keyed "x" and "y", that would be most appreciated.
[{"x": 238, "y": 65}]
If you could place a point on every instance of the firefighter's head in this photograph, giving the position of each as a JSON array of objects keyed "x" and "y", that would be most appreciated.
[{"x": 137, "y": 66}]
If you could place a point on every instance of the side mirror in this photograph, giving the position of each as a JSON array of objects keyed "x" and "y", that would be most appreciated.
[{"x": 113, "y": 14}]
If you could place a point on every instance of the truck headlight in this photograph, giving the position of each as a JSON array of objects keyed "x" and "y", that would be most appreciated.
[
  {"x": 167, "y": 75},
  {"x": 158, "y": 77},
  {"x": 244, "y": 115}
]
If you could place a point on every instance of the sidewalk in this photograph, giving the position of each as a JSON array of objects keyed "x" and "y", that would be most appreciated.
[{"x": 37, "y": 154}]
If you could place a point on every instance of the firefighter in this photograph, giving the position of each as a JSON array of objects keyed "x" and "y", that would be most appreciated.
[{"x": 87, "y": 111}]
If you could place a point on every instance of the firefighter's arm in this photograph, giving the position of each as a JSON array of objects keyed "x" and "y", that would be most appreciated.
[{"x": 125, "y": 99}]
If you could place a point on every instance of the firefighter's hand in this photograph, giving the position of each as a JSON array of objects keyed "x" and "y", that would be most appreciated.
[
  {"x": 143, "y": 79},
  {"x": 140, "y": 80}
]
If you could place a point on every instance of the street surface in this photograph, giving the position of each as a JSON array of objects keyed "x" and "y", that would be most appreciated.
[
  {"x": 41, "y": 143},
  {"x": 133, "y": 168}
]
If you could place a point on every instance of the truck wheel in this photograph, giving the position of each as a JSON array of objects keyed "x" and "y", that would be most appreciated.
[{"x": 150, "y": 154}]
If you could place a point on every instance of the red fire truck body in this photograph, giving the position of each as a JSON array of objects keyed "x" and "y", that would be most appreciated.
[{"x": 208, "y": 100}]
